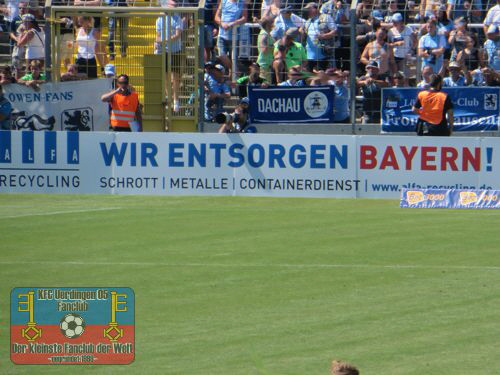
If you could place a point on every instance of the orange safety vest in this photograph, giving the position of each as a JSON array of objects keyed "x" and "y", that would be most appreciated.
[
  {"x": 432, "y": 106},
  {"x": 123, "y": 109}
]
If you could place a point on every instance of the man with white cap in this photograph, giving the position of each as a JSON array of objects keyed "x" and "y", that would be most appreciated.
[
  {"x": 492, "y": 47},
  {"x": 216, "y": 92},
  {"x": 456, "y": 78},
  {"x": 402, "y": 39}
]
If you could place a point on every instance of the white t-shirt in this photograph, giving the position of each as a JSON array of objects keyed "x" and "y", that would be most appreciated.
[
  {"x": 396, "y": 36},
  {"x": 493, "y": 16}
]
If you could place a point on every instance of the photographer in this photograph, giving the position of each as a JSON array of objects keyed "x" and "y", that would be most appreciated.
[
  {"x": 238, "y": 121},
  {"x": 126, "y": 113}
]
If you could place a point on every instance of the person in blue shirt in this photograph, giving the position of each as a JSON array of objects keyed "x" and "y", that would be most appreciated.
[
  {"x": 210, "y": 28},
  {"x": 320, "y": 31},
  {"x": 294, "y": 78},
  {"x": 456, "y": 78},
  {"x": 341, "y": 112},
  {"x": 168, "y": 33},
  {"x": 431, "y": 46},
  {"x": 216, "y": 91},
  {"x": 285, "y": 21},
  {"x": 5, "y": 112},
  {"x": 229, "y": 15},
  {"x": 492, "y": 47}
]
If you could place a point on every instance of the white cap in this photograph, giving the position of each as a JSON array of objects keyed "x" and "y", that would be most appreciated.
[{"x": 220, "y": 68}]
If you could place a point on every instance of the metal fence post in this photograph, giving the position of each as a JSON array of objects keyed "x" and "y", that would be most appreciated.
[
  {"x": 48, "y": 37},
  {"x": 352, "y": 76},
  {"x": 201, "y": 66}
]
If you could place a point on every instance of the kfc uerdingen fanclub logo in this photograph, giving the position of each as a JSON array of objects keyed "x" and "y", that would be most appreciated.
[{"x": 72, "y": 326}]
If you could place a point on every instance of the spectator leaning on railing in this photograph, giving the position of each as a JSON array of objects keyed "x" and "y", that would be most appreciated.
[
  {"x": 34, "y": 77},
  {"x": 72, "y": 74},
  {"x": 252, "y": 79},
  {"x": 287, "y": 54},
  {"x": 295, "y": 78}
]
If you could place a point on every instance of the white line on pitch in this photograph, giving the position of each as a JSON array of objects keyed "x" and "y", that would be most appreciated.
[
  {"x": 62, "y": 212},
  {"x": 257, "y": 265}
]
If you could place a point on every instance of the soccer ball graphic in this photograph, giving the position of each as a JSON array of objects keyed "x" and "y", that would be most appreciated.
[{"x": 72, "y": 326}]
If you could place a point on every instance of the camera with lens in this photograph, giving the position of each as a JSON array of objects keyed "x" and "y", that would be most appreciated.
[{"x": 224, "y": 118}]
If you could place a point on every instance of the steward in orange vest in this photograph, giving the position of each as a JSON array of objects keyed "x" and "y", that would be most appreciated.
[
  {"x": 125, "y": 107},
  {"x": 433, "y": 108}
]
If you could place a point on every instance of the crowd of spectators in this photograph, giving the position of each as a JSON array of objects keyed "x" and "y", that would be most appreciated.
[{"x": 399, "y": 43}]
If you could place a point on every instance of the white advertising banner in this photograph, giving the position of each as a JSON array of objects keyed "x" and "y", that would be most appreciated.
[
  {"x": 72, "y": 105},
  {"x": 243, "y": 165}
]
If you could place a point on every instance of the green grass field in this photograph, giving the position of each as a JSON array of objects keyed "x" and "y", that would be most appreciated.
[{"x": 230, "y": 286}]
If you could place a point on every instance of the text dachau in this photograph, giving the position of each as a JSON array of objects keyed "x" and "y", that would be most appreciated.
[{"x": 233, "y": 155}]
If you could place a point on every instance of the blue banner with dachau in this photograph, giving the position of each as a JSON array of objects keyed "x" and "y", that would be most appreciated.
[
  {"x": 450, "y": 198},
  {"x": 291, "y": 104},
  {"x": 474, "y": 109}
]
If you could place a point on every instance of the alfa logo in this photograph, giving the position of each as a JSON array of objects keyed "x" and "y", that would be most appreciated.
[
  {"x": 414, "y": 197},
  {"x": 468, "y": 197}
]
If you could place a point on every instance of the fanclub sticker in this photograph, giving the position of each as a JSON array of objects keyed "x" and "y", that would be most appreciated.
[{"x": 72, "y": 326}]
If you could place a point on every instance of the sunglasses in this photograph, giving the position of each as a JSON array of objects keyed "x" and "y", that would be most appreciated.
[{"x": 122, "y": 82}]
